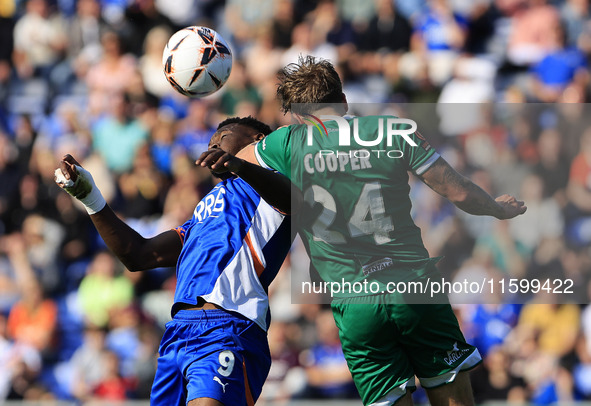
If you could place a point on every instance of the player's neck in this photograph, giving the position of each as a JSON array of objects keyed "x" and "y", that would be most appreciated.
[{"x": 329, "y": 111}]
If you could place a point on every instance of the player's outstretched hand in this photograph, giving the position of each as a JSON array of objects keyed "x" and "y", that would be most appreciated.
[
  {"x": 219, "y": 161},
  {"x": 511, "y": 207},
  {"x": 78, "y": 182},
  {"x": 66, "y": 175}
]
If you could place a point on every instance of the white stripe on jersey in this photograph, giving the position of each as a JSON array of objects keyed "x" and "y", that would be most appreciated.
[
  {"x": 238, "y": 288},
  {"x": 258, "y": 156},
  {"x": 427, "y": 164}
]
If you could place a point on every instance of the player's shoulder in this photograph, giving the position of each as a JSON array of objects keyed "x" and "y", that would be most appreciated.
[
  {"x": 237, "y": 188},
  {"x": 280, "y": 138}
]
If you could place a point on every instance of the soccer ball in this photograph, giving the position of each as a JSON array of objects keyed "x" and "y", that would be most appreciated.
[{"x": 197, "y": 61}]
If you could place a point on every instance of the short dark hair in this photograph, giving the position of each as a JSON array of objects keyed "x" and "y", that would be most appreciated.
[
  {"x": 249, "y": 122},
  {"x": 309, "y": 81}
]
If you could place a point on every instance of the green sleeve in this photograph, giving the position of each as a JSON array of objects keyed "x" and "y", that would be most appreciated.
[
  {"x": 274, "y": 151},
  {"x": 421, "y": 157}
]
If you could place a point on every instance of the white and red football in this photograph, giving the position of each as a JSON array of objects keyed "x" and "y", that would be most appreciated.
[{"x": 197, "y": 61}]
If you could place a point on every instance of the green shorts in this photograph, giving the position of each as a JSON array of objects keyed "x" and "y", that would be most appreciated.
[{"x": 387, "y": 345}]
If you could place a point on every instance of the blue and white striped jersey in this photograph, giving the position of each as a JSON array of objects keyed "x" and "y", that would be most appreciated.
[{"x": 233, "y": 247}]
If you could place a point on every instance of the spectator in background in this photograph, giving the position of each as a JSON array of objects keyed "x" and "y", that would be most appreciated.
[
  {"x": 65, "y": 128},
  {"x": 472, "y": 82},
  {"x": 150, "y": 63},
  {"x": 261, "y": 63},
  {"x": 85, "y": 31},
  {"x": 110, "y": 75},
  {"x": 86, "y": 365},
  {"x": 7, "y": 10},
  {"x": 562, "y": 69},
  {"x": 184, "y": 12},
  {"x": 123, "y": 338},
  {"x": 161, "y": 144},
  {"x": 329, "y": 26},
  {"x": 239, "y": 90},
  {"x": 142, "y": 188},
  {"x": 286, "y": 377},
  {"x": 194, "y": 131},
  {"x": 9, "y": 179},
  {"x": 582, "y": 370},
  {"x": 118, "y": 136},
  {"x": 42, "y": 240},
  {"x": 579, "y": 193},
  {"x": 506, "y": 254},
  {"x": 102, "y": 292},
  {"x": 533, "y": 28},
  {"x": 356, "y": 12},
  {"x": 245, "y": 16},
  {"x": 39, "y": 40},
  {"x": 381, "y": 43},
  {"x": 325, "y": 364},
  {"x": 387, "y": 31},
  {"x": 33, "y": 319},
  {"x": 496, "y": 382},
  {"x": 529, "y": 230},
  {"x": 21, "y": 365},
  {"x": 550, "y": 166},
  {"x": 490, "y": 325},
  {"x": 141, "y": 17},
  {"x": 574, "y": 13},
  {"x": 112, "y": 387},
  {"x": 439, "y": 35},
  {"x": 555, "y": 326},
  {"x": 305, "y": 41},
  {"x": 144, "y": 366},
  {"x": 282, "y": 24}
]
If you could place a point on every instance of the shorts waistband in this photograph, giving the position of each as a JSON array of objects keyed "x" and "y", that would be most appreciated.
[{"x": 193, "y": 315}]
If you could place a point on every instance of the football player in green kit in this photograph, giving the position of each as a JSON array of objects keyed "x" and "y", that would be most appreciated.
[{"x": 364, "y": 232}]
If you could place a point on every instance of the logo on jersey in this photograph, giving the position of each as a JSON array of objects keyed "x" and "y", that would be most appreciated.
[
  {"x": 315, "y": 122},
  {"x": 218, "y": 380},
  {"x": 424, "y": 143},
  {"x": 378, "y": 265},
  {"x": 455, "y": 354},
  {"x": 212, "y": 204}
]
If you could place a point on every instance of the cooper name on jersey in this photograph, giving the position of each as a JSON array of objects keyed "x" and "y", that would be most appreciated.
[
  {"x": 212, "y": 204},
  {"x": 339, "y": 161}
]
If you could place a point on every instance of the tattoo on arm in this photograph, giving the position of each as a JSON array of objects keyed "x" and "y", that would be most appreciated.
[{"x": 461, "y": 191}]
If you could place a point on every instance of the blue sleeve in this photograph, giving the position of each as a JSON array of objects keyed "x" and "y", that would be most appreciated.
[{"x": 182, "y": 230}]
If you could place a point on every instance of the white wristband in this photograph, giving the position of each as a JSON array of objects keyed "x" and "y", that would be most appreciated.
[{"x": 84, "y": 189}]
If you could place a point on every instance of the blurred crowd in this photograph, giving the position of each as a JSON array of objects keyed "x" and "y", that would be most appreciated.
[{"x": 85, "y": 77}]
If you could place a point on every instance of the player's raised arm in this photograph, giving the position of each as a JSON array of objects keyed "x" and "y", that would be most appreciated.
[
  {"x": 274, "y": 188},
  {"x": 134, "y": 251},
  {"x": 466, "y": 195}
]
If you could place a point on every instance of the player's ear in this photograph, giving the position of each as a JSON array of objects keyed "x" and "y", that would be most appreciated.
[{"x": 259, "y": 136}]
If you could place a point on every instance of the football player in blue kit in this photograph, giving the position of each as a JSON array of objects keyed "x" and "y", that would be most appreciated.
[{"x": 215, "y": 350}]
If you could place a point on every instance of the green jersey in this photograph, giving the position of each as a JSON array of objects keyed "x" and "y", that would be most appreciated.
[{"x": 360, "y": 227}]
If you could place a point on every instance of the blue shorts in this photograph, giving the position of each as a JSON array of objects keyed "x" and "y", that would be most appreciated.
[{"x": 213, "y": 354}]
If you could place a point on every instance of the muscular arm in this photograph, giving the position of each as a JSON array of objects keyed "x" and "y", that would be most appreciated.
[
  {"x": 466, "y": 195},
  {"x": 134, "y": 251},
  {"x": 274, "y": 188}
]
